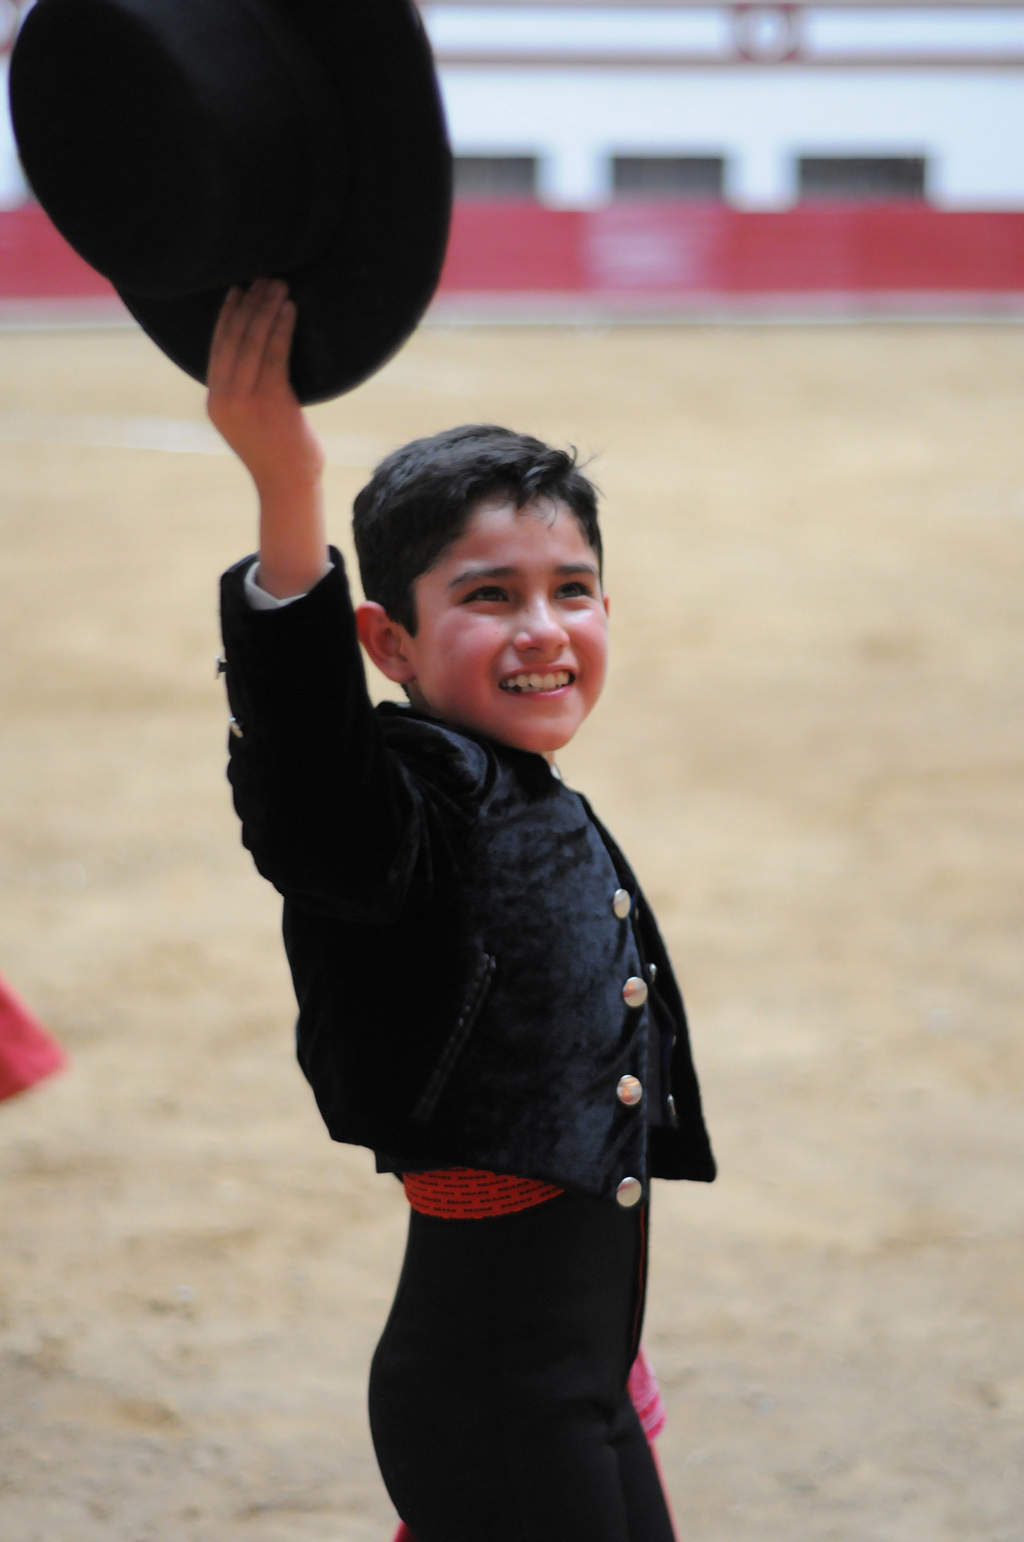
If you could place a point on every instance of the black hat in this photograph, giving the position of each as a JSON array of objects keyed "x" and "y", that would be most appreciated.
[{"x": 182, "y": 146}]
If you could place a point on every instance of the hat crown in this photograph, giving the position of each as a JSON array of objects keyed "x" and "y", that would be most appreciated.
[{"x": 180, "y": 144}]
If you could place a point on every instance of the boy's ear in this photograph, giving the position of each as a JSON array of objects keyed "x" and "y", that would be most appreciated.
[{"x": 386, "y": 642}]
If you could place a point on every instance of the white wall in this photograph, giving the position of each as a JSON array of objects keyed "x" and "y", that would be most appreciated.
[
  {"x": 13, "y": 189},
  {"x": 966, "y": 119},
  {"x": 969, "y": 124}
]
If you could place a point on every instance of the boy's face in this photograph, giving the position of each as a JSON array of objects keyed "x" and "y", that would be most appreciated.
[{"x": 512, "y": 628}]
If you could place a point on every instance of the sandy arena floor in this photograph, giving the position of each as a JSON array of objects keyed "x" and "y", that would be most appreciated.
[{"x": 812, "y": 745}]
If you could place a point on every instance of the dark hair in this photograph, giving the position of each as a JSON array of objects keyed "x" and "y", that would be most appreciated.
[{"x": 420, "y": 498}]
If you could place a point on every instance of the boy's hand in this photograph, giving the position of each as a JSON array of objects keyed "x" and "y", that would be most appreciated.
[
  {"x": 251, "y": 403},
  {"x": 249, "y": 397}
]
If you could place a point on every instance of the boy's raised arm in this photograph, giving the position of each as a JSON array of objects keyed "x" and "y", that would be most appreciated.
[{"x": 251, "y": 403}]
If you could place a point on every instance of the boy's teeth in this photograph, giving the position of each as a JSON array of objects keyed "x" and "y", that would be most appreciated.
[{"x": 550, "y": 682}]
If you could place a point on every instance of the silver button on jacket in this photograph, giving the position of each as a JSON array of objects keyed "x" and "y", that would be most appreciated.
[
  {"x": 629, "y": 1192},
  {"x": 621, "y": 903},
  {"x": 630, "y": 1090},
  {"x": 634, "y": 992}
]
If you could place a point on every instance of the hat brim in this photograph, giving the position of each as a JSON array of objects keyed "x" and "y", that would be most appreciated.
[{"x": 369, "y": 284}]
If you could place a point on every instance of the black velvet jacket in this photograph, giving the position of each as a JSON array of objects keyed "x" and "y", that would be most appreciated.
[{"x": 450, "y": 917}]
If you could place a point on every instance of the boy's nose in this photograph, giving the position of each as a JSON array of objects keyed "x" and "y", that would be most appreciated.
[{"x": 540, "y": 629}]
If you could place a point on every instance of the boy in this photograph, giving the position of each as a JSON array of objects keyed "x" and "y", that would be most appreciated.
[{"x": 484, "y": 999}]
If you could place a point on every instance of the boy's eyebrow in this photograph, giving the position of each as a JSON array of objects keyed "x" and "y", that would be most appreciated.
[{"x": 564, "y": 569}]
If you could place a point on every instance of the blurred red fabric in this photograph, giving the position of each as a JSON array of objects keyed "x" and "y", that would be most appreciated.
[{"x": 27, "y": 1052}]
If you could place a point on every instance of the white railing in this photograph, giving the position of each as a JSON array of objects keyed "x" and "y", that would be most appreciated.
[{"x": 665, "y": 33}]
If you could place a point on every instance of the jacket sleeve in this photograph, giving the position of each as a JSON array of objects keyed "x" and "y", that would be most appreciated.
[{"x": 331, "y": 816}]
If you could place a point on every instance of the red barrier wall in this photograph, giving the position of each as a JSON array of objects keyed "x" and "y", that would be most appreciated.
[
  {"x": 696, "y": 249},
  {"x": 36, "y": 263},
  {"x": 658, "y": 249}
]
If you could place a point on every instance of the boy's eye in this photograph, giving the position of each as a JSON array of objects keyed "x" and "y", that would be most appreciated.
[
  {"x": 574, "y": 589},
  {"x": 485, "y": 592}
]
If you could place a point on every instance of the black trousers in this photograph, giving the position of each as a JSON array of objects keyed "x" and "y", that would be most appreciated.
[{"x": 498, "y": 1399}]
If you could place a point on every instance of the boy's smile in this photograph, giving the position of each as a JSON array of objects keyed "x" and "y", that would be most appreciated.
[{"x": 512, "y": 634}]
